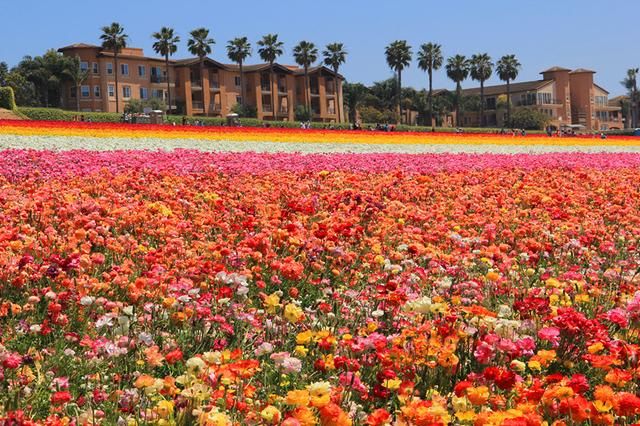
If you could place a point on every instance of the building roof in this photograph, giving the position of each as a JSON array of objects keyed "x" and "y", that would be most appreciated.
[
  {"x": 601, "y": 88},
  {"x": 618, "y": 99},
  {"x": 79, "y": 46},
  {"x": 582, "y": 70},
  {"x": 501, "y": 89},
  {"x": 194, "y": 61},
  {"x": 319, "y": 68},
  {"x": 134, "y": 57},
  {"x": 555, "y": 69},
  {"x": 258, "y": 67}
]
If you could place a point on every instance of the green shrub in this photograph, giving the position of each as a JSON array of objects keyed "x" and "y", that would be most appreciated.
[
  {"x": 529, "y": 119},
  {"x": 7, "y": 98},
  {"x": 302, "y": 113}
]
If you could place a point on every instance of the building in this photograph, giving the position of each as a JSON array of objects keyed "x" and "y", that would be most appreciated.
[
  {"x": 213, "y": 94},
  {"x": 567, "y": 97}
]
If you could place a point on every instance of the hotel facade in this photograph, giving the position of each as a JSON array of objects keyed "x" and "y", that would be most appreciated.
[
  {"x": 212, "y": 94},
  {"x": 567, "y": 97}
]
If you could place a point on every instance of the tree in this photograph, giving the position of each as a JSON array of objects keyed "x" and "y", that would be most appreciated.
[
  {"x": 200, "y": 45},
  {"x": 398, "y": 55},
  {"x": 305, "y": 54},
  {"x": 238, "y": 50},
  {"x": 334, "y": 56},
  {"x": 481, "y": 69},
  {"x": 166, "y": 45},
  {"x": 529, "y": 119},
  {"x": 46, "y": 73},
  {"x": 354, "y": 94},
  {"x": 430, "y": 59},
  {"x": 270, "y": 49},
  {"x": 507, "y": 69},
  {"x": 114, "y": 39},
  {"x": 631, "y": 83},
  {"x": 458, "y": 71},
  {"x": 77, "y": 76},
  {"x": 24, "y": 90},
  {"x": 4, "y": 70}
]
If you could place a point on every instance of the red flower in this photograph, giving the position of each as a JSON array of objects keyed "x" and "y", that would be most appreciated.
[
  {"x": 173, "y": 356},
  {"x": 61, "y": 397}
]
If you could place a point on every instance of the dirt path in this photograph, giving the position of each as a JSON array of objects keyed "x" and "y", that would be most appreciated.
[{"x": 5, "y": 114}]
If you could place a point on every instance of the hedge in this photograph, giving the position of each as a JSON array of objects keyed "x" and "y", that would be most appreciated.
[
  {"x": 55, "y": 114},
  {"x": 7, "y": 98}
]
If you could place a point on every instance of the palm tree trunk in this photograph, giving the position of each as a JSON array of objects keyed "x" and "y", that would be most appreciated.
[
  {"x": 400, "y": 95},
  {"x": 78, "y": 98},
  {"x": 115, "y": 60},
  {"x": 481, "y": 103},
  {"x": 274, "y": 94},
  {"x": 433, "y": 128},
  {"x": 241, "y": 85},
  {"x": 205, "y": 108},
  {"x": 307, "y": 95},
  {"x": 337, "y": 89},
  {"x": 508, "y": 102},
  {"x": 166, "y": 61},
  {"x": 458, "y": 94}
]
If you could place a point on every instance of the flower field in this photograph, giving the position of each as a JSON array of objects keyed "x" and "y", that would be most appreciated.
[{"x": 182, "y": 287}]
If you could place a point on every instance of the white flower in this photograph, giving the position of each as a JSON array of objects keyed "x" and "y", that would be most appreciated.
[{"x": 87, "y": 300}]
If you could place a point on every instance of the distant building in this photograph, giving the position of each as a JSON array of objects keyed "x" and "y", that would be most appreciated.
[
  {"x": 213, "y": 94},
  {"x": 567, "y": 97}
]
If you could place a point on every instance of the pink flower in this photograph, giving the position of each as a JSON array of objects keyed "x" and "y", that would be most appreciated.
[
  {"x": 12, "y": 361},
  {"x": 550, "y": 334}
]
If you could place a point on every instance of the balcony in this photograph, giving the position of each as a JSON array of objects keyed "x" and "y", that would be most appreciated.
[
  {"x": 196, "y": 84},
  {"x": 265, "y": 87},
  {"x": 215, "y": 108},
  {"x": 282, "y": 90},
  {"x": 283, "y": 110},
  {"x": 266, "y": 108},
  {"x": 314, "y": 91},
  {"x": 214, "y": 85},
  {"x": 530, "y": 102},
  {"x": 197, "y": 105},
  {"x": 158, "y": 79}
]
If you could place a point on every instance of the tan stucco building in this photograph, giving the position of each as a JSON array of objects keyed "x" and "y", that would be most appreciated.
[
  {"x": 567, "y": 97},
  {"x": 213, "y": 94}
]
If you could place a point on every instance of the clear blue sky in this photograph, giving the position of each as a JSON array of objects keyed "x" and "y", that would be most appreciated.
[{"x": 599, "y": 35}]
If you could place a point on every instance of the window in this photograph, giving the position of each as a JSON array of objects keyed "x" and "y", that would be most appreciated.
[
  {"x": 85, "y": 91},
  {"x": 95, "y": 68},
  {"x": 111, "y": 90},
  {"x": 72, "y": 92},
  {"x": 96, "y": 91},
  {"x": 239, "y": 100},
  {"x": 237, "y": 81},
  {"x": 544, "y": 98},
  {"x": 144, "y": 93},
  {"x": 109, "y": 68},
  {"x": 126, "y": 91},
  {"x": 142, "y": 70},
  {"x": 84, "y": 66},
  {"x": 124, "y": 69},
  {"x": 601, "y": 101},
  {"x": 157, "y": 93}
]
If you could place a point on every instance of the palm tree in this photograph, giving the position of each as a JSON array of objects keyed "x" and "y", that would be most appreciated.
[
  {"x": 270, "y": 49},
  {"x": 166, "y": 45},
  {"x": 430, "y": 59},
  {"x": 305, "y": 54},
  {"x": 200, "y": 45},
  {"x": 481, "y": 69},
  {"x": 458, "y": 71},
  {"x": 507, "y": 69},
  {"x": 78, "y": 76},
  {"x": 398, "y": 55},
  {"x": 238, "y": 50},
  {"x": 114, "y": 39},
  {"x": 334, "y": 56},
  {"x": 631, "y": 83}
]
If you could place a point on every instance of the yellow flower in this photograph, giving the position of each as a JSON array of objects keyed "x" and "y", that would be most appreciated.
[
  {"x": 304, "y": 337},
  {"x": 164, "y": 409},
  {"x": 301, "y": 351},
  {"x": 299, "y": 398},
  {"x": 271, "y": 302},
  {"x": 466, "y": 416},
  {"x": 271, "y": 414},
  {"x": 320, "y": 393},
  {"x": 392, "y": 384},
  {"x": 602, "y": 406},
  {"x": 214, "y": 418},
  {"x": 293, "y": 313}
]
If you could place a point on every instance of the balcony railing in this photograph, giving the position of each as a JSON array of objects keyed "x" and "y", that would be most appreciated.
[
  {"x": 538, "y": 102},
  {"x": 158, "y": 79},
  {"x": 282, "y": 90},
  {"x": 215, "y": 108},
  {"x": 314, "y": 91},
  {"x": 265, "y": 87},
  {"x": 266, "y": 108},
  {"x": 284, "y": 110},
  {"x": 214, "y": 85},
  {"x": 196, "y": 84},
  {"x": 331, "y": 111},
  {"x": 197, "y": 105}
]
